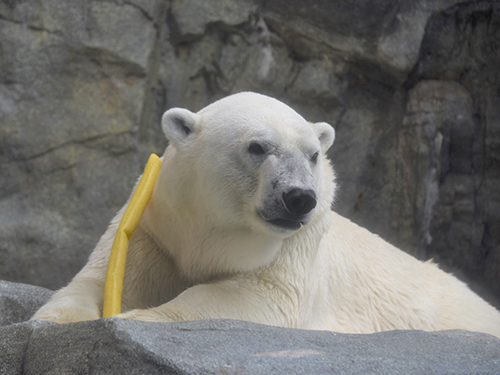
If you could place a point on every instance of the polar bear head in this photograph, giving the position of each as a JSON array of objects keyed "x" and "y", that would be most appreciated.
[
  {"x": 250, "y": 160},
  {"x": 246, "y": 163}
]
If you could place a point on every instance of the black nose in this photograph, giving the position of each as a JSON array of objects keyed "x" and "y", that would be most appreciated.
[{"x": 299, "y": 201}]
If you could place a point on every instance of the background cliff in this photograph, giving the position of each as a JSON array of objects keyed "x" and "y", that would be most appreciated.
[{"x": 412, "y": 88}]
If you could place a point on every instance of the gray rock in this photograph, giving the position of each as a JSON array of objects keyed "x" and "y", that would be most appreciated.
[
  {"x": 465, "y": 224},
  {"x": 114, "y": 346},
  {"x": 193, "y": 16},
  {"x": 390, "y": 33},
  {"x": 18, "y": 302},
  {"x": 436, "y": 113},
  {"x": 71, "y": 93},
  {"x": 399, "y": 43}
]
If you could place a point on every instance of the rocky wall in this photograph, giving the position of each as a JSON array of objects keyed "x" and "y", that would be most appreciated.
[{"x": 412, "y": 88}]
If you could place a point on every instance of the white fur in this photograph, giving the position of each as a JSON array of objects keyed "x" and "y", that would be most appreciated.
[{"x": 203, "y": 249}]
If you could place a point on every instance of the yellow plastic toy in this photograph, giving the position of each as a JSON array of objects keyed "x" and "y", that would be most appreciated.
[{"x": 113, "y": 287}]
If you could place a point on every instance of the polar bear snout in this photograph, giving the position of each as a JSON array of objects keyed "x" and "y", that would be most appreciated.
[
  {"x": 291, "y": 212},
  {"x": 288, "y": 190},
  {"x": 299, "y": 202}
]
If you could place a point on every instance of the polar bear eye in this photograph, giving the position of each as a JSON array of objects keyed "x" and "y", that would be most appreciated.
[
  {"x": 256, "y": 149},
  {"x": 314, "y": 158}
]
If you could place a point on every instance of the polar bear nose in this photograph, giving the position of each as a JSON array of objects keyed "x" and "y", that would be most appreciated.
[{"x": 299, "y": 201}]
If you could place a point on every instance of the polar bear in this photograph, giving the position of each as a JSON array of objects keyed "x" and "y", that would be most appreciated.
[{"x": 239, "y": 226}]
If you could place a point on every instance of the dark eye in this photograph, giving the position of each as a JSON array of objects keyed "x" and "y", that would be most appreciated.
[
  {"x": 256, "y": 149},
  {"x": 314, "y": 158}
]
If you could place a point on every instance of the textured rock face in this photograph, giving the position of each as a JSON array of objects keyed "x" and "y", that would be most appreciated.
[
  {"x": 115, "y": 346},
  {"x": 411, "y": 87},
  {"x": 73, "y": 84},
  {"x": 18, "y": 302},
  {"x": 465, "y": 229},
  {"x": 455, "y": 91}
]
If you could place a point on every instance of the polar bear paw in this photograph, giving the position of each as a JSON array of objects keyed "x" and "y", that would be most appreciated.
[
  {"x": 154, "y": 315},
  {"x": 67, "y": 314}
]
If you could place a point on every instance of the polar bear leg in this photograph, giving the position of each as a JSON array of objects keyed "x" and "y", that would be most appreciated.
[
  {"x": 231, "y": 299},
  {"x": 80, "y": 300}
]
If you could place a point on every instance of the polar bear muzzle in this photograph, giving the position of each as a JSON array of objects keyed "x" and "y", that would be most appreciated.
[
  {"x": 292, "y": 211},
  {"x": 296, "y": 206}
]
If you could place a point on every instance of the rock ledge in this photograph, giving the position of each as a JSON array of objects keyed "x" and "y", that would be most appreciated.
[{"x": 115, "y": 346}]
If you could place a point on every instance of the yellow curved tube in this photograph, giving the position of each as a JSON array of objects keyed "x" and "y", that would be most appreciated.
[{"x": 113, "y": 287}]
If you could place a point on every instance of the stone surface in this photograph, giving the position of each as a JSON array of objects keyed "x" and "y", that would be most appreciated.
[
  {"x": 462, "y": 46},
  {"x": 438, "y": 114},
  {"x": 83, "y": 86},
  {"x": 193, "y": 16},
  {"x": 73, "y": 79},
  {"x": 113, "y": 346},
  {"x": 18, "y": 302}
]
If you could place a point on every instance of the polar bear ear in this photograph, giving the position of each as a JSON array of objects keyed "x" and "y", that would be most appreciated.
[
  {"x": 325, "y": 133},
  {"x": 178, "y": 124}
]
